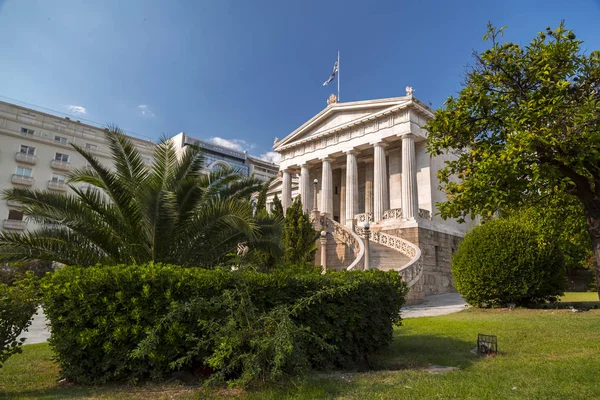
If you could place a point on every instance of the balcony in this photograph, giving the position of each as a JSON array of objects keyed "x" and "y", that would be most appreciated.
[
  {"x": 57, "y": 185},
  {"x": 14, "y": 224},
  {"x": 26, "y": 158},
  {"x": 22, "y": 180},
  {"x": 14, "y": 203},
  {"x": 61, "y": 165}
]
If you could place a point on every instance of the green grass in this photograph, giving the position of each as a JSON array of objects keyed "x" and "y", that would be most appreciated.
[
  {"x": 581, "y": 298},
  {"x": 546, "y": 354}
]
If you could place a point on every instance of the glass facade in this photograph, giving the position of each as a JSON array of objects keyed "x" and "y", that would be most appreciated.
[{"x": 210, "y": 157}]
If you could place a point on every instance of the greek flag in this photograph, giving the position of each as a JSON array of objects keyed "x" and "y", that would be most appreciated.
[{"x": 332, "y": 77}]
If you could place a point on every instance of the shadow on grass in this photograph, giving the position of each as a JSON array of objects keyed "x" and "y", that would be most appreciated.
[
  {"x": 108, "y": 391},
  {"x": 416, "y": 351}
]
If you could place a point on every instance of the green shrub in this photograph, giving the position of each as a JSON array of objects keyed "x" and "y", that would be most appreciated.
[
  {"x": 146, "y": 321},
  {"x": 11, "y": 272},
  {"x": 18, "y": 303},
  {"x": 504, "y": 261}
]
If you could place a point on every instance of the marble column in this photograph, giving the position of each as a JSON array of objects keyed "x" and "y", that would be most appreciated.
[
  {"x": 395, "y": 178},
  {"x": 327, "y": 188},
  {"x": 351, "y": 187},
  {"x": 305, "y": 187},
  {"x": 286, "y": 190},
  {"x": 380, "y": 183},
  {"x": 369, "y": 187},
  {"x": 343, "y": 196},
  {"x": 410, "y": 199}
]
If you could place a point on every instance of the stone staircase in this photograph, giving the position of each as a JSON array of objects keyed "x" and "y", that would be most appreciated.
[{"x": 385, "y": 258}]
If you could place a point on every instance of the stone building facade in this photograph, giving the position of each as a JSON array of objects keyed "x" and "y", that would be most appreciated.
[{"x": 366, "y": 163}]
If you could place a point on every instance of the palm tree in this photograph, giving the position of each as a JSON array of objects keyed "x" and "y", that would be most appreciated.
[{"x": 168, "y": 212}]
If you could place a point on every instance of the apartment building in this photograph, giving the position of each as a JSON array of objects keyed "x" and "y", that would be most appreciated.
[
  {"x": 218, "y": 156},
  {"x": 36, "y": 152}
]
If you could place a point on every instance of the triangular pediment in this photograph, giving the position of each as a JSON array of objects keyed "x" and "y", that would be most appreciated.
[{"x": 339, "y": 115}]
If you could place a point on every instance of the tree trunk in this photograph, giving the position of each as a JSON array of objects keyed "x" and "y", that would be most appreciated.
[{"x": 593, "y": 221}]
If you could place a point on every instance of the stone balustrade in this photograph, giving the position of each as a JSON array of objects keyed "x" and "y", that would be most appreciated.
[
  {"x": 346, "y": 236},
  {"x": 412, "y": 271},
  {"x": 395, "y": 213},
  {"x": 364, "y": 217}
]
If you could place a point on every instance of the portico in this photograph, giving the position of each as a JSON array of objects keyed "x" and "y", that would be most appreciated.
[{"x": 366, "y": 168}]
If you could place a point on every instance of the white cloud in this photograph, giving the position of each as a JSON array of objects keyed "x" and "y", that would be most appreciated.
[
  {"x": 145, "y": 110},
  {"x": 77, "y": 109},
  {"x": 271, "y": 156},
  {"x": 233, "y": 144}
]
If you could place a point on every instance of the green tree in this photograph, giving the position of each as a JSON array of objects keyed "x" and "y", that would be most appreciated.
[
  {"x": 261, "y": 201},
  {"x": 299, "y": 236},
  {"x": 525, "y": 125},
  {"x": 167, "y": 212},
  {"x": 561, "y": 219},
  {"x": 277, "y": 207}
]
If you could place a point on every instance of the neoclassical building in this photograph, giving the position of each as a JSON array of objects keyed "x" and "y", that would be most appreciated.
[{"x": 367, "y": 161}]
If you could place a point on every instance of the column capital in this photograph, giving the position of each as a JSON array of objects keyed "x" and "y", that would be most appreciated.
[
  {"x": 326, "y": 158},
  {"x": 379, "y": 143},
  {"x": 407, "y": 135},
  {"x": 351, "y": 151}
]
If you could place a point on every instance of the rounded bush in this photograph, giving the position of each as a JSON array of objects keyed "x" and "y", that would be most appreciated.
[{"x": 504, "y": 261}]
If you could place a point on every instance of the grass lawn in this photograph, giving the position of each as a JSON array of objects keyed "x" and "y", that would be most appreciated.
[
  {"x": 577, "y": 298},
  {"x": 546, "y": 354}
]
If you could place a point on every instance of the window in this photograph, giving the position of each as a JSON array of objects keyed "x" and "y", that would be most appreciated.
[
  {"x": 58, "y": 178},
  {"x": 61, "y": 157},
  {"x": 29, "y": 150},
  {"x": 27, "y": 132},
  {"x": 15, "y": 215},
  {"x": 91, "y": 147},
  {"x": 21, "y": 171},
  {"x": 60, "y": 139}
]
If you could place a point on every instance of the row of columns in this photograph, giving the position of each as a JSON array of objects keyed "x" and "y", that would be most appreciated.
[{"x": 376, "y": 184}]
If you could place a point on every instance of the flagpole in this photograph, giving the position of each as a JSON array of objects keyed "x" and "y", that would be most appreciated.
[{"x": 338, "y": 76}]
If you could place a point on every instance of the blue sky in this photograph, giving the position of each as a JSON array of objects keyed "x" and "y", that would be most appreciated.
[{"x": 243, "y": 72}]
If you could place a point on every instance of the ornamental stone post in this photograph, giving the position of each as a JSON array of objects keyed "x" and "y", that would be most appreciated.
[
  {"x": 367, "y": 239},
  {"x": 323, "y": 251}
]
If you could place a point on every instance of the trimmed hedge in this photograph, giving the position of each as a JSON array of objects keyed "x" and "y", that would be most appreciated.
[
  {"x": 145, "y": 321},
  {"x": 504, "y": 261}
]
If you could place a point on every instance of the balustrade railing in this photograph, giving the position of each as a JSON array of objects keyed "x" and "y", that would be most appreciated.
[
  {"x": 425, "y": 214},
  {"x": 346, "y": 236},
  {"x": 364, "y": 217},
  {"x": 394, "y": 213}
]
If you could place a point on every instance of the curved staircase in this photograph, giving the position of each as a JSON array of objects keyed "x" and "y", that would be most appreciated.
[{"x": 386, "y": 252}]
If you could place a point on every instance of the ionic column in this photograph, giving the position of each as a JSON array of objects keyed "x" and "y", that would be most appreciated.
[
  {"x": 343, "y": 196},
  {"x": 380, "y": 183},
  {"x": 369, "y": 187},
  {"x": 327, "y": 188},
  {"x": 286, "y": 191},
  {"x": 351, "y": 187},
  {"x": 410, "y": 199},
  {"x": 305, "y": 188},
  {"x": 395, "y": 178}
]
